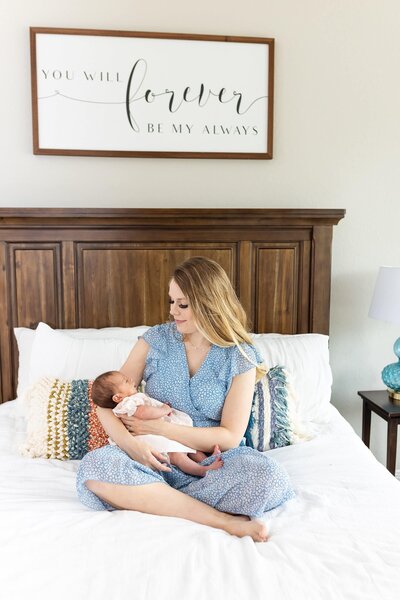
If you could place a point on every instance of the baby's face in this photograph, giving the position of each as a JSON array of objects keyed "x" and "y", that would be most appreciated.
[{"x": 124, "y": 386}]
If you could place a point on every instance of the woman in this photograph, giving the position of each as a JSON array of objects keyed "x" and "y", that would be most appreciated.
[{"x": 204, "y": 364}]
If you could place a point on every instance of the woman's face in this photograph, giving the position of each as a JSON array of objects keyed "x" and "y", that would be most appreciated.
[{"x": 180, "y": 309}]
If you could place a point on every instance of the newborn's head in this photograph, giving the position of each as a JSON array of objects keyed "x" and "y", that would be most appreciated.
[{"x": 110, "y": 388}]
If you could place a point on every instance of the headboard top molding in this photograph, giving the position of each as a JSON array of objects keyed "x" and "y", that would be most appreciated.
[
  {"x": 18, "y": 217},
  {"x": 84, "y": 267}
]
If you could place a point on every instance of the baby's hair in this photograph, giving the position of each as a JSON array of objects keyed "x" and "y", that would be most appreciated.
[{"x": 103, "y": 389}]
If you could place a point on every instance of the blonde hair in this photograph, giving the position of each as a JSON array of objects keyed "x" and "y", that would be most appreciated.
[{"x": 219, "y": 315}]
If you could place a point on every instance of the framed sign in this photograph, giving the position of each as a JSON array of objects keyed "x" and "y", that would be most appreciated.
[{"x": 120, "y": 93}]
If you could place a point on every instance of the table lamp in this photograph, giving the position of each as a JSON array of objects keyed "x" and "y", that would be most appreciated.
[{"x": 385, "y": 306}]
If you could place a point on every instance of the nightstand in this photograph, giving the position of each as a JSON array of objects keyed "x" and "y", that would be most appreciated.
[{"x": 380, "y": 403}]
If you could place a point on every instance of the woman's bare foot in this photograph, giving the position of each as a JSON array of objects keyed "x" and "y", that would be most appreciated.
[{"x": 257, "y": 530}]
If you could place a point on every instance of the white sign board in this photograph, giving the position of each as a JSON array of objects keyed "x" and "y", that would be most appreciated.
[{"x": 140, "y": 94}]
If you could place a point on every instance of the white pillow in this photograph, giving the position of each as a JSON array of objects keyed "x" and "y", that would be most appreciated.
[
  {"x": 306, "y": 357},
  {"x": 108, "y": 346},
  {"x": 24, "y": 337},
  {"x": 85, "y": 353},
  {"x": 130, "y": 334}
]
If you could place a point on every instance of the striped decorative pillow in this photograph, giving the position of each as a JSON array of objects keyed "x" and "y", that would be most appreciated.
[
  {"x": 273, "y": 422},
  {"x": 61, "y": 420}
]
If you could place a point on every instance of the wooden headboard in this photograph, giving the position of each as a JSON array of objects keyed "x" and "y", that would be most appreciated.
[{"x": 110, "y": 267}]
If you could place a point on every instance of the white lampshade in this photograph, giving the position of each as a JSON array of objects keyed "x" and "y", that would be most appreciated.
[{"x": 385, "y": 304}]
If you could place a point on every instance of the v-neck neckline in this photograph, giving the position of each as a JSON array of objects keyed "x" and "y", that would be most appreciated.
[{"x": 191, "y": 377}]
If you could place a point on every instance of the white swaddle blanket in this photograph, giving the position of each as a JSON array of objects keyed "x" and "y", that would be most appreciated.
[{"x": 128, "y": 407}]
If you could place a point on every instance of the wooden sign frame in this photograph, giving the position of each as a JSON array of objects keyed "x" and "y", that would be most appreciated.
[{"x": 141, "y": 94}]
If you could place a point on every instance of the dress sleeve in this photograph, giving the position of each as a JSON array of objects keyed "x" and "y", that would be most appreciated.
[
  {"x": 241, "y": 364},
  {"x": 157, "y": 338},
  {"x": 128, "y": 406},
  {"x": 237, "y": 363}
]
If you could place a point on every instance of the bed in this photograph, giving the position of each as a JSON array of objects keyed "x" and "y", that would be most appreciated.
[{"x": 339, "y": 538}]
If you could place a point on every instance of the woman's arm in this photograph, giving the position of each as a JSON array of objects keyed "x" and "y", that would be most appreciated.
[
  {"x": 137, "y": 450},
  {"x": 234, "y": 420},
  {"x": 135, "y": 363}
]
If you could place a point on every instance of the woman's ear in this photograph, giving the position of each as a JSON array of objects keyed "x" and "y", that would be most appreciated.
[{"x": 117, "y": 398}]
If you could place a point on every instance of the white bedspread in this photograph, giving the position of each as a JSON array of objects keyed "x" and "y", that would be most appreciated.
[{"x": 340, "y": 538}]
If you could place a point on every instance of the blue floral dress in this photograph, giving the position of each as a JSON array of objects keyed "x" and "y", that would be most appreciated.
[{"x": 249, "y": 483}]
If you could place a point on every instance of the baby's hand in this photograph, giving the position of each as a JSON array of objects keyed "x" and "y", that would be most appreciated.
[{"x": 165, "y": 410}]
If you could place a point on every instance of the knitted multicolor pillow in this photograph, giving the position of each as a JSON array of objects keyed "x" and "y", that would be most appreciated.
[
  {"x": 273, "y": 422},
  {"x": 61, "y": 420}
]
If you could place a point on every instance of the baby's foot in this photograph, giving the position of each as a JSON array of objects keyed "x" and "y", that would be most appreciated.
[
  {"x": 197, "y": 456},
  {"x": 217, "y": 450},
  {"x": 217, "y": 464},
  {"x": 165, "y": 410}
]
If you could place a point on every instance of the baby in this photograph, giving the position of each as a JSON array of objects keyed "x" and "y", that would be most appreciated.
[{"x": 114, "y": 390}]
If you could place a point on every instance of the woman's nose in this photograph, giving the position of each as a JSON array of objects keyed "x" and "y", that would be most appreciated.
[{"x": 173, "y": 310}]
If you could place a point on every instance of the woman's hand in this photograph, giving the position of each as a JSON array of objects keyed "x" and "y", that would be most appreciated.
[
  {"x": 137, "y": 449},
  {"x": 144, "y": 454},
  {"x": 137, "y": 426}
]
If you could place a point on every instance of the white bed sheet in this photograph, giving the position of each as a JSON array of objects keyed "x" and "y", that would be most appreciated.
[{"x": 338, "y": 539}]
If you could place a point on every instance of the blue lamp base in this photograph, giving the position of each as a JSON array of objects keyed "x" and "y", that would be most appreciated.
[{"x": 391, "y": 374}]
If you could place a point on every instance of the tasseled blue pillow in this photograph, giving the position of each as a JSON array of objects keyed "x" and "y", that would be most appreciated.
[{"x": 271, "y": 423}]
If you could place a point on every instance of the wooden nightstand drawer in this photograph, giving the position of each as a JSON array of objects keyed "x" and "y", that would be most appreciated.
[{"x": 379, "y": 402}]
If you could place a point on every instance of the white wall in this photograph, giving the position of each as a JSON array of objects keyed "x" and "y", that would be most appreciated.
[{"x": 337, "y": 144}]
